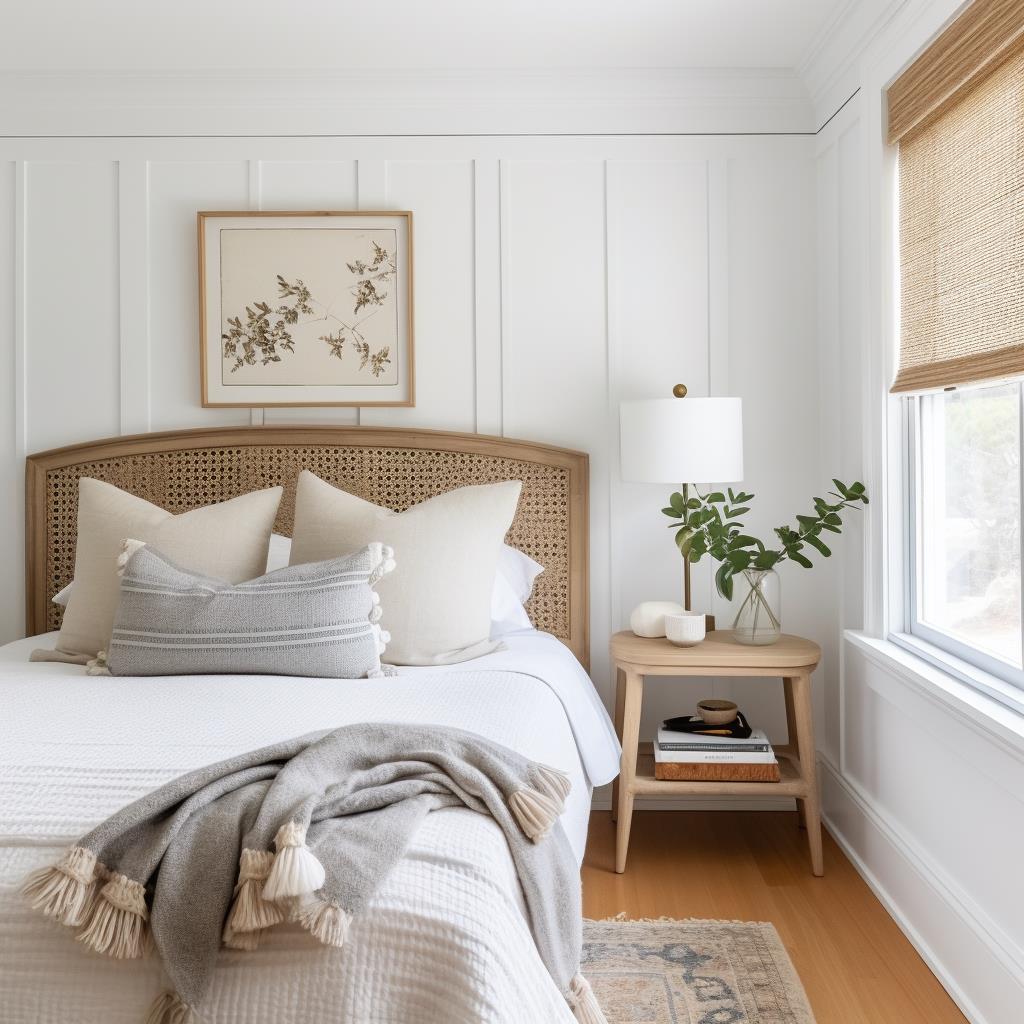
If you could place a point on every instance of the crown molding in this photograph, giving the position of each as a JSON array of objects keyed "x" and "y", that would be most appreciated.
[
  {"x": 830, "y": 67},
  {"x": 331, "y": 103}
]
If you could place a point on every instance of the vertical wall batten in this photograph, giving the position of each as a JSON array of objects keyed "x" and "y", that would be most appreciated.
[
  {"x": 487, "y": 294},
  {"x": 133, "y": 287}
]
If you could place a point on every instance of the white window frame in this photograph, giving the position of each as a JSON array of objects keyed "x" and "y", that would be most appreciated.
[{"x": 987, "y": 673}]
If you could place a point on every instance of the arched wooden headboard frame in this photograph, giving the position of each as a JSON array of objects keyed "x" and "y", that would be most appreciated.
[{"x": 184, "y": 469}]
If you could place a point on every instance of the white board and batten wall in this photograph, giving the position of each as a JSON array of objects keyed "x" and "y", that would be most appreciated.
[
  {"x": 922, "y": 781},
  {"x": 555, "y": 274}
]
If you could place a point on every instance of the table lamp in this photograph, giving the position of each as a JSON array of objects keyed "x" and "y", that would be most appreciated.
[{"x": 684, "y": 441}]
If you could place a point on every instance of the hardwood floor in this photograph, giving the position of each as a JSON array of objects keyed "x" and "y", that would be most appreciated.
[{"x": 855, "y": 963}]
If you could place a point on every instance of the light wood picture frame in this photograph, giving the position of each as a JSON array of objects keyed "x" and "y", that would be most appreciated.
[{"x": 306, "y": 308}]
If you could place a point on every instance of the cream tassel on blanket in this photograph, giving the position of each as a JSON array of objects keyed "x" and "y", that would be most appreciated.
[
  {"x": 244, "y": 942},
  {"x": 583, "y": 1002},
  {"x": 118, "y": 925},
  {"x": 251, "y": 911},
  {"x": 324, "y": 921},
  {"x": 169, "y": 1009},
  {"x": 66, "y": 891},
  {"x": 535, "y": 811},
  {"x": 556, "y": 784},
  {"x": 295, "y": 870}
]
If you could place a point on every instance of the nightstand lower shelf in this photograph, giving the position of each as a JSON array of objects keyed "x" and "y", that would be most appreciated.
[{"x": 645, "y": 784}]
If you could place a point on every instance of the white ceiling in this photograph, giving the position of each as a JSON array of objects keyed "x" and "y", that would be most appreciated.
[{"x": 346, "y": 35}]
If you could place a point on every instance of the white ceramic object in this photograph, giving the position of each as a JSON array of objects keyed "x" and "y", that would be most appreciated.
[
  {"x": 686, "y": 629},
  {"x": 648, "y": 619}
]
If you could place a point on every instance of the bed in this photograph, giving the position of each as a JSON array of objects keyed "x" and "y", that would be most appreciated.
[{"x": 447, "y": 938}]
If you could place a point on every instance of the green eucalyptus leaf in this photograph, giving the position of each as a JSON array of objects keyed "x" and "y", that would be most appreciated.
[
  {"x": 674, "y": 513},
  {"x": 715, "y": 497},
  {"x": 732, "y": 513},
  {"x": 741, "y": 540},
  {"x": 676, "y": 501},
  {"x": 801, "y": 560},
  {"x": 815, "y": 543},
  {"x": 739, "y": 560},
  {"x": 723, "y": 580}
]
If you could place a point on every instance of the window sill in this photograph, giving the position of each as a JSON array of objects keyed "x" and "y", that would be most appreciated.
[{"x": 959, "y": 688}]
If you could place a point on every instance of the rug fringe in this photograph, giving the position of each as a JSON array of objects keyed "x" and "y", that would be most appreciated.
[{"x": 621, "y": 918}]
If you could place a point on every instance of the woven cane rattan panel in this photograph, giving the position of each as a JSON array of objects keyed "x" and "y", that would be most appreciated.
[{"x": 395, "y": 477}]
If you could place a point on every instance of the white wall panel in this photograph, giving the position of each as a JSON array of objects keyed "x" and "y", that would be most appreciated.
[
  {"x": 441, "y": 195},
  {"x": 555, "y": 359},
  {"x": 773, "y": 366},
  {"x": 12, "y": 471},
  {"x": 71, "y": 302},
  {"x": 307, "y": 185},
  {"x": 176, "y": 191}
]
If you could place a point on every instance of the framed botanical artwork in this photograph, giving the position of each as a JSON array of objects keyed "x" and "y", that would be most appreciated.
[{"x": 306, "y": 308}]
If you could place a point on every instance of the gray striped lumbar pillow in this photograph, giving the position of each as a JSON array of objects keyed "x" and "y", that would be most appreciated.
[{"x": 318, "y": 619}]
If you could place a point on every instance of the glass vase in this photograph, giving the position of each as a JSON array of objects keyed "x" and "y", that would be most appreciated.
[{"x": 758, "y": 619}]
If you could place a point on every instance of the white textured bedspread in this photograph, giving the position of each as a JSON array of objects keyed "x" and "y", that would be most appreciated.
[{"x": 444, "y": 941}]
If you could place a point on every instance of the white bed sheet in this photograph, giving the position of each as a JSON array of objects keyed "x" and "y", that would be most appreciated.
[{"x": 445, "y": 939}]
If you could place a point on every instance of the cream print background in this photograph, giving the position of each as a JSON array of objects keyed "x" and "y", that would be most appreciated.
[{"x": 251, "y": 259}]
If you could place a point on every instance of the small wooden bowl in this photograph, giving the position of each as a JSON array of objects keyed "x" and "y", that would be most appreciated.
[{"x": 717, "y": 712}]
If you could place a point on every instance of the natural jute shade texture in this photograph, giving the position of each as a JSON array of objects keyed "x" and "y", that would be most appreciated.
[
  {"x": 980, "y": 39},
  {"x": 962, "y": 237}
]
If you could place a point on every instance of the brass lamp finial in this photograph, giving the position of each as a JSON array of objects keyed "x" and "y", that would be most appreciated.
[{"x": 679, "y": 391}]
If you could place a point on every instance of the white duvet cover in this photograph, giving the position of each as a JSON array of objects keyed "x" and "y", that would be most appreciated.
[{"x": 445, "y": 940}]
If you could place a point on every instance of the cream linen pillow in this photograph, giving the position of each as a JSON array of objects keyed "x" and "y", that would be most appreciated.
[
  {"x": 228, "y": 540},
  {"x": 437, "y": 603}
]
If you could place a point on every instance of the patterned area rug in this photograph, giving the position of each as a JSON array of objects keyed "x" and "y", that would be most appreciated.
[{"x": 692, "y": 972}]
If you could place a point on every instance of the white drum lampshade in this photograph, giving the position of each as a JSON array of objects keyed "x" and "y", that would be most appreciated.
[{"x": 682, "y": 440}]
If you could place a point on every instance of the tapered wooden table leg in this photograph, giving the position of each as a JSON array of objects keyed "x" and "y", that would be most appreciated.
[
  {"x": 620, "y": 703},
  {"x": 634, "y": 687},
  {"x": 799, "y": 690},
  {"x": 787, "y": 690}
]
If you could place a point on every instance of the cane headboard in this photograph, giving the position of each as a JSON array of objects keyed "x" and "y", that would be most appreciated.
[{"x": 184, "y": 469}]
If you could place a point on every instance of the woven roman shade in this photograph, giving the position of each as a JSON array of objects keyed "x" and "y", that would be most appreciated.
[
  {"x": 976, "y": 42},
  {"x": 961, "y": 221}
]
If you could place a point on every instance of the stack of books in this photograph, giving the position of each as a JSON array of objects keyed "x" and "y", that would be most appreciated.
[{"x": 692, "y": 757}]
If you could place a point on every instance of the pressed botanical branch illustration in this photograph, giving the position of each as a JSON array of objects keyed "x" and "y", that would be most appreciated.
[
  {"x": 261, "y": 337},
  {"x": 380, "y": 269}
]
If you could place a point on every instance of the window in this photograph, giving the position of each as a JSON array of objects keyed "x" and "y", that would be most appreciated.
[
  {"x": 965, "y": 588},
  {"x": 957, "y": 115}
]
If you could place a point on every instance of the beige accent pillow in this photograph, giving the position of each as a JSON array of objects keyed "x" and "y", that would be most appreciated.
[
  {"x": 437, "y": 603},
  {"x": 228, "y": 540}
]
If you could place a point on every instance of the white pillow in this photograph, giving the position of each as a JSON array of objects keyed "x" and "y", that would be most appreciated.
[
  {"x": 437, "y": 603},
  {"x": 513, "y": 584},
  {"x": 227, "y": 540}
]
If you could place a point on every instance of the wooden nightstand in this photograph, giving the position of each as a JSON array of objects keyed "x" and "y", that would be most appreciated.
[{"x": 792, "y": 658}]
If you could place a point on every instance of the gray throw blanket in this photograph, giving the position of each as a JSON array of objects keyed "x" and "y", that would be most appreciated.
[{"x": 307, "y": 829}]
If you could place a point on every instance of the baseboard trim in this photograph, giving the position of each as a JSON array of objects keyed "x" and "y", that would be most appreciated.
[{"x": 844, "y": 802}]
